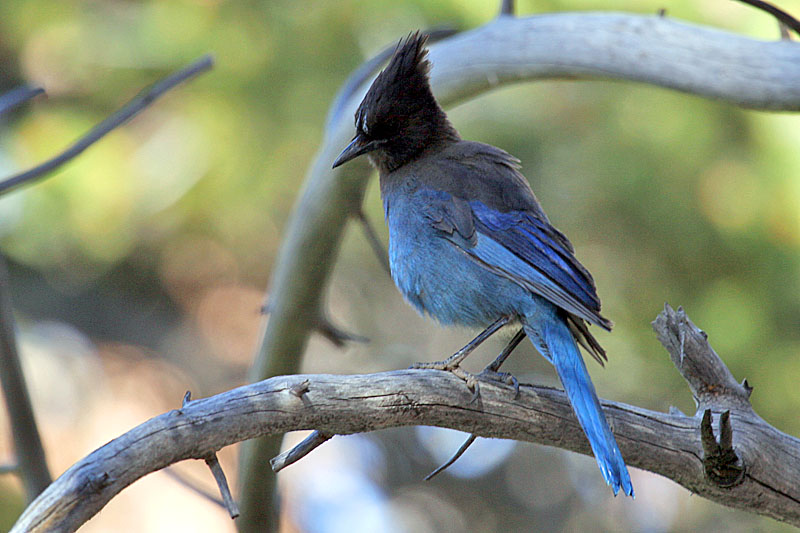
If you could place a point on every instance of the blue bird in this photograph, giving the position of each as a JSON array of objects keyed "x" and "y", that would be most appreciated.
[{"x": 469, "y": 243}]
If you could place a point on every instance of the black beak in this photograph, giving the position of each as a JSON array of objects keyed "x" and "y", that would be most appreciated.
[{"x": 358, "y": 146}]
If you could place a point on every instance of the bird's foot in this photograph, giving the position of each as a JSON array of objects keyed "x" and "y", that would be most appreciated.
[
  {"x": 451, "y": 364},
  {"x": 505, "y": 378},
  {"x": 448, "y": 365}
]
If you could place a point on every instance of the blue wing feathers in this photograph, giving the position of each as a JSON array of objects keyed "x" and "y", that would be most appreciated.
[
  {"x": 531, "y": 240},
  {"x": 532, "y": 252}
]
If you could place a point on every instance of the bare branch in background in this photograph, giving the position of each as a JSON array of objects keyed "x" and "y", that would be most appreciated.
[
  {"x": 782, "y": 16},
  {"x": 374, "y": 241},
  {"x": 130, "y": 110},
  {"x": 192, "y": 486},
  {"x": 18, "y": 96},
  {"x": 31, "y": 464},
  {"x": 337, "y": 335},
  {"x": 9, "y": 469}
]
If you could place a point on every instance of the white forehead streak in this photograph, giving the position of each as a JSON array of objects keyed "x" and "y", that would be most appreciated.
[{"x": 364, "y": 122}]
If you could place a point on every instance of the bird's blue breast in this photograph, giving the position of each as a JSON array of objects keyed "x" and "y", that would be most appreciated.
[{"x": 436, "y": 276}]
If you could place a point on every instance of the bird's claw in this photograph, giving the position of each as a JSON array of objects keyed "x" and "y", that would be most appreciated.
[
  {"x": 473, "y": 380},
  {"x": 506, "y": 378},
  {"x": 449, "y": 366}
]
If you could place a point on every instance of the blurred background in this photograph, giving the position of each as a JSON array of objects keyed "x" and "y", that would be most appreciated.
[{"x": 138, "y": 271}]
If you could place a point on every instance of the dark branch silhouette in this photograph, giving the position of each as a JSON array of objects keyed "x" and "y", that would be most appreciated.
[
  {"x": 18, "y": 96},
  {"x": 781, "y": 15},
  {"x": 31, "y": 464},
  {"x": 130, "y": 110}
]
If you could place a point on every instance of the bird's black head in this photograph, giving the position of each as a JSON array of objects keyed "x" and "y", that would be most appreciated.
[{"x": 399, "y": 118}]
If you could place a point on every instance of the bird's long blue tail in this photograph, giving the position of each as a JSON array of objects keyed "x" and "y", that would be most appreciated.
[{"x": 555, "y": 341}]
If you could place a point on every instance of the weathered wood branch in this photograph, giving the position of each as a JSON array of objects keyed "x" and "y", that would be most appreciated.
[
  {"x": 648, "y": 49},
  {"x": 667, "y": 444},
  {"x": 30, "y": 460}
]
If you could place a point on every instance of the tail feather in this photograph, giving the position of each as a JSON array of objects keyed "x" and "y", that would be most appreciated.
[{"x": 555, "y": 341}]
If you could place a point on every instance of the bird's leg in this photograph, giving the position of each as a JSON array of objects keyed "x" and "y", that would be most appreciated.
[
  {"x": 452, "y": 362},
  {"x": 495, "y": 365},
  {"x": 491, "y": 371}
]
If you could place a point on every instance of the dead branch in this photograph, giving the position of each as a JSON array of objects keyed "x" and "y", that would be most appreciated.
[{"x": 671, "y": 445}]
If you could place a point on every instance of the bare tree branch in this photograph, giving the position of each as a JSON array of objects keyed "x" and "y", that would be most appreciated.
[
  {"x": 31, "y": 463},
  {"x": 667, "y": 444},
  {"x": 130, "y": 110},
  {"x": 30, "y": 459},
  {"x": 648, "y": 49},
  {"x": 782, "y": 16},
  {"x": 222, "y": 484},
  {"x": 194, "y": 487},
  {"x": 9, "y": 468},
  {"x": 291, "y": 456},
  {"x": 18, "y": 96},
  {"x": 374, "y": 241}
]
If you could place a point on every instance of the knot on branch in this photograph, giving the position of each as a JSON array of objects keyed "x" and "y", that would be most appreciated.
[
  {"x": 95, "y": 482},
  {"x": 711, "y": 383},
  {"x": 721, "y": 464}
]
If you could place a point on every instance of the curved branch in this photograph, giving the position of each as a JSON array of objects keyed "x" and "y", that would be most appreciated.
[
  {"x": 782, "y": 16},
  {"x": 668, "y": 444},
  {"x": 130, "y": 110},
  {"x": 18, "y": 96},
  {"x": 648, "y": 49}
]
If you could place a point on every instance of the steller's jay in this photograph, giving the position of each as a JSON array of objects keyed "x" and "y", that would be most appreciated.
[{"x": 469, "y": 243}]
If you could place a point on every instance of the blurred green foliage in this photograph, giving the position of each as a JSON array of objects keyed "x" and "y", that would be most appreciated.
[{"x": 667, "y": 197}]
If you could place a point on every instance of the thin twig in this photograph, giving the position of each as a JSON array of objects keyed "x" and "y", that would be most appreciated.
[
  {"x": 776, "y": 12},
  {"x": 454, "y": 458},
  {"x": 336, "y": 335},
  {"x": 15, "y": 97},
  {"x": 783, "y": 29},
  {"x": 189, "y": 484},
  {"x": 10, "y": 468},
  {"x": 493, "y": 367},
  {"x": 31, "y": 462},
  {"x": 300, "y": 389},
  {"x": 374, "y": 241},
  {"x": 222, "y": 483},
  {"x": 507, "y": 8},
  {"x": 309, "y": 444},
  {"x": 138, "y": 104}
]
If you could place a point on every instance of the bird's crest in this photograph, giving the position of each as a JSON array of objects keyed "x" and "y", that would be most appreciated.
[
  {"x": 401, "y": 90},
  {"x": 409, "y": 63}
]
